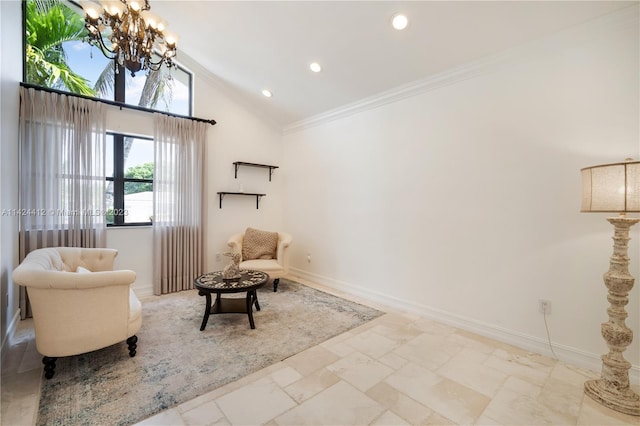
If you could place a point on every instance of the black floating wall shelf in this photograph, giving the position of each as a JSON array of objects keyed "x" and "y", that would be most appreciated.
[
  {"x": 258, "y": 196},
  {"x": 237, "y": 164}
]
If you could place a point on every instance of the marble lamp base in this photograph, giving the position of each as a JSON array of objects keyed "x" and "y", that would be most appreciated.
[{"x": 608, "y": 394}]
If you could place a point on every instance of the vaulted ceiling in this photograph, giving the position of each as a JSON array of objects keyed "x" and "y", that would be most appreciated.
[{"x": 253, "y": 46}]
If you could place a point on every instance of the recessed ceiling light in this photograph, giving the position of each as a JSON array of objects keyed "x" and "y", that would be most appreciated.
[
  {"x": 399, "y": 21},
  {"x": 267, "y": 93},
  {"x": 315, "y": 67}
]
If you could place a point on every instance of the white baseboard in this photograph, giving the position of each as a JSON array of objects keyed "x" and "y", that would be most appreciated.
[
  {"x": 566, "y": 354},
  {"x": 143, "y": 289}
]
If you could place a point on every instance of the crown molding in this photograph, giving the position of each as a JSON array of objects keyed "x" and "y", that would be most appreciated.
[{"x": 620, "y": 20}]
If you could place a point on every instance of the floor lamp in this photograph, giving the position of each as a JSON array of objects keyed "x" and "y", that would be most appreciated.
[{"x": 615, "y": 188}]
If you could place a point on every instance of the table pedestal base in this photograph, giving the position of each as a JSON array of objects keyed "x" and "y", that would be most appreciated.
[{"x": 229, "y": 306}]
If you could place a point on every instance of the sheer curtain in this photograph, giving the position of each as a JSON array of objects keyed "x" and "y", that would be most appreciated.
[
  {"x": 178, "y": 192},
  {"x": 62, "y": 173}
]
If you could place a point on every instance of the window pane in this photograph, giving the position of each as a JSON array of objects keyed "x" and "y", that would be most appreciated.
[
  {"x": 134, "y": 86},
  {"x": 109, "y": 156},
  {"x": 164, "y": 90},
  {"x": 138, "y": 202},
  {"x": 138, "y": 164},
  {"x": 109, "y": 173},
  {"x": 109, "y": 206},
  {"x": 181, "y": 92},
  {"x": 88, "y": 62},
  {"x": 138, "y": 158}
]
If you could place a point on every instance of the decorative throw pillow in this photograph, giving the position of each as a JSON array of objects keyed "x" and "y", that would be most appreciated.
[
  {"x": 259, "y": 244},
  {"x": 82, "y": 270}
]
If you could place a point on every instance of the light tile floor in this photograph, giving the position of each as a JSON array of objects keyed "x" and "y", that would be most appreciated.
[{"x": 398, "y": 369}]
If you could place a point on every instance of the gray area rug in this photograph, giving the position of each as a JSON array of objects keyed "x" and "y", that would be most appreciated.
[{"x": 177, "y": 362}]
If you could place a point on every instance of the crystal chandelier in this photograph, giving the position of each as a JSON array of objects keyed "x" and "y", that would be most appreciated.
[{"x": 136, "y": 34}]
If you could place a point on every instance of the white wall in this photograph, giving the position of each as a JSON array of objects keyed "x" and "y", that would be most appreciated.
[
  {"x": 10, "y": 75},
  {"x": 462, "y": 202},
  {"x": 240, "y": 134}
]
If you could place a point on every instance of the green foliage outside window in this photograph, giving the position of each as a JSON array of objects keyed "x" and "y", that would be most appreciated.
[{"x": 142, "y": 171}]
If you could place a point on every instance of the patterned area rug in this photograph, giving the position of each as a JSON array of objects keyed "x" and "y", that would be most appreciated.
[{"x": 177, "y": 362}]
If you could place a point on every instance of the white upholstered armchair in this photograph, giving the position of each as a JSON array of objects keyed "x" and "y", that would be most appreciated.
[
  {"x": 265, "y": 251},
  {"x": 79, "y": 303}
]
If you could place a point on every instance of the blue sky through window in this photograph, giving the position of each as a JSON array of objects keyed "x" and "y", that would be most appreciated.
[
  {"x": 80, "y": 60},
  {"x": 89, "y": 62}
]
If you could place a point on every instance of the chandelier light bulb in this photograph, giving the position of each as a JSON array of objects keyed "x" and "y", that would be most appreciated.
[
  {"x": 267, "y": 93},
  {"x": 114, "y": 8},
  {"x": 135, "y": 5},
  {"x": 93, "y": 13},
  {"x": 106, "y": 7},
  {"x": 93, "y": 10},
  {"x": 170, "y": 38},
  {"x": 150, "y": 19},
  {"x": 119, "y": 9},
  {"x": 399, "y": 21},
  {"x": 315, "y": 67}
]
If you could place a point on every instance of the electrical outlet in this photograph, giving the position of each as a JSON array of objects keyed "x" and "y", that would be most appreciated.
[
  {"x": 308, "y": 257},
  {"x": 218, "y": 257},
  {"x": 544, "y": 306}
]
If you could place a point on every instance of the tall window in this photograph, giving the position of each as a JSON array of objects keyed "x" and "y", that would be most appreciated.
[
  {"x": 57, "y": 56},
  {"x": 129, "y": 170}
]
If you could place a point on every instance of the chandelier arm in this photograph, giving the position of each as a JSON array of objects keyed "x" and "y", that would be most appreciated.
[
  {"x": 95, "y": 37},
  {"x": 104, "y": 49},
  {"x": 162, "y": 59}
]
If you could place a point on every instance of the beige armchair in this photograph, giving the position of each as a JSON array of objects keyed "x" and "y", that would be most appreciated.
[
  {"x": 79, "y": 303},
  {"x": 276, "y": 266}
]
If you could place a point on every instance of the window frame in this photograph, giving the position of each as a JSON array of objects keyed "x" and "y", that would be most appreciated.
[{"x": 119, "y": 180}]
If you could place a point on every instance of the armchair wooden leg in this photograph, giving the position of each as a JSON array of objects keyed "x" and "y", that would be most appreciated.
[
  {"x": 49, "y": 366},
  {"x": 275, "y": 284},
  {"x": 131, "y": 342}
]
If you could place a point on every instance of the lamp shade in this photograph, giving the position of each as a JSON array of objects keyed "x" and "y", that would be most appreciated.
[{"x": 611, "y": 187}]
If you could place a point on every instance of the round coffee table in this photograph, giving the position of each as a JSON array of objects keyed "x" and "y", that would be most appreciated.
[{"x": 212, "y": 282}]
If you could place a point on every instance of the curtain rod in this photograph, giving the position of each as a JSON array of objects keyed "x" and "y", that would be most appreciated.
[{"x": 114, "y": 103}]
